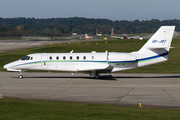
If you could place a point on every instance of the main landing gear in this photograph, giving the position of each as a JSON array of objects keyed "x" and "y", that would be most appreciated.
[
  {"x": 94, "y": 75},
  {"x": 20, "y": 75}
]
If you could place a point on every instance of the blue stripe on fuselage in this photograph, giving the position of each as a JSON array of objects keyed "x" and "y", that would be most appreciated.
[{"x": 153, "y": 57}]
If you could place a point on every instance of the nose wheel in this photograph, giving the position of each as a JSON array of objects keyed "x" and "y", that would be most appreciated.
[{"x": 20, "y": 75}]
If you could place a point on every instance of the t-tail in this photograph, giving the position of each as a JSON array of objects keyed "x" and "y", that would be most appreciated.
[{"x": 157, "y": 47}]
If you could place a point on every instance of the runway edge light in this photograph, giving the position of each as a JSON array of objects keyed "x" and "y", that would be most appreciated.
[
  {"x": 139, "y": 104},
  {"x": 1, "y": 96}
]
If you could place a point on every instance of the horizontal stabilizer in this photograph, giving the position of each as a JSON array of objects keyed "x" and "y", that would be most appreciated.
[{"x": 161, "y": 47}]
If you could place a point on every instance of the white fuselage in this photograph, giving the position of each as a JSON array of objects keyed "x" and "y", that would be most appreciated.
[
  {"x": 154, "y": 51},
  {"x": 82, "y": 62}
]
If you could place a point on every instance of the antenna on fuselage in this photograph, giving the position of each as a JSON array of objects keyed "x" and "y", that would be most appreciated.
[{"x": 71, "y": 51}]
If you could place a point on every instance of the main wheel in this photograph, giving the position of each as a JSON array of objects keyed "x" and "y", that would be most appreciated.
[{"x": 97, "y": 76}]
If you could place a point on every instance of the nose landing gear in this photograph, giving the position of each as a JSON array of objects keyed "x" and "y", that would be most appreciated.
[{"x": 20, "y": 75}]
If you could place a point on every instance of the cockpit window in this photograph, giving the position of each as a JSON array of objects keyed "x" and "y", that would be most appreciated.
[{"x": 26, "y": 58}]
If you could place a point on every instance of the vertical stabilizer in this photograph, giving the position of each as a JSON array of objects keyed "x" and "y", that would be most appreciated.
[{"x": 160, "y": 42}]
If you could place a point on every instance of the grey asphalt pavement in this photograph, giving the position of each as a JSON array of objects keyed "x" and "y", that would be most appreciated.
[{"x": 155, "y": 90}]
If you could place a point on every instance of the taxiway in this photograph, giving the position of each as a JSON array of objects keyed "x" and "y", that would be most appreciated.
[
  {"x": 156, "y": 90},
  {"x": 10, "y": 45}
]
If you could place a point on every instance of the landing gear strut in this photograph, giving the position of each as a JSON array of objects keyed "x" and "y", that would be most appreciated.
[{"x": 20, "y": 75}]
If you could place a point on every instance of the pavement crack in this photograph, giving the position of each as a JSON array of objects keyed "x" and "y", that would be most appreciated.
[
  {"x": 125, "y": 95},
  {"x": 60, "y": 92},
  {"x": 60, "y": 84},
  {"x": 172, "y": 97}
]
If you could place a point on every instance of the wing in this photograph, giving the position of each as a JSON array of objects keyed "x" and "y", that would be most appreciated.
[
  {"x": 98, "y": 67},
  {"x": 117, "y": 37}
]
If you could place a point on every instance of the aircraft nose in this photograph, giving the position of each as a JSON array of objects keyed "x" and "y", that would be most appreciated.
[
  {"x": 10, "y": 67},
  {"x": 5, "y": 66}
]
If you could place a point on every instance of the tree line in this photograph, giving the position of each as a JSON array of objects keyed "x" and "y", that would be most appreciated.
[{"x": 66, "y": 26}]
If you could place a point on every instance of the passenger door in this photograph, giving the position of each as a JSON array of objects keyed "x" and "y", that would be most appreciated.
[{"x": 44, "y": 61}]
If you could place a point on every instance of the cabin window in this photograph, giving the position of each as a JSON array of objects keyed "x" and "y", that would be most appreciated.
[
  {"x": 84, "y": 57},
  {"x": 57, "y": 58},
  {"x": 50, "y": 58},
  {"x": 92, "y": 57},
  {"x": 31, "y": 58},
  {"x": 64, "y": 58},
  {"x": 70, "y": 57},
  {"x": 77, "y": 57}
]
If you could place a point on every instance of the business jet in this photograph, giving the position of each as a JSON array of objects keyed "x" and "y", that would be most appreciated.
[
  {"x": 125, "y": 36},
  {"x": 155, "y": 50}
]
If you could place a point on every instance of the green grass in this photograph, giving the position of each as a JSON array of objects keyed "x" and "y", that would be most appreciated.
[
  {"x": 15, "y": 109},
  {"x": 170, "y": 66}
]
